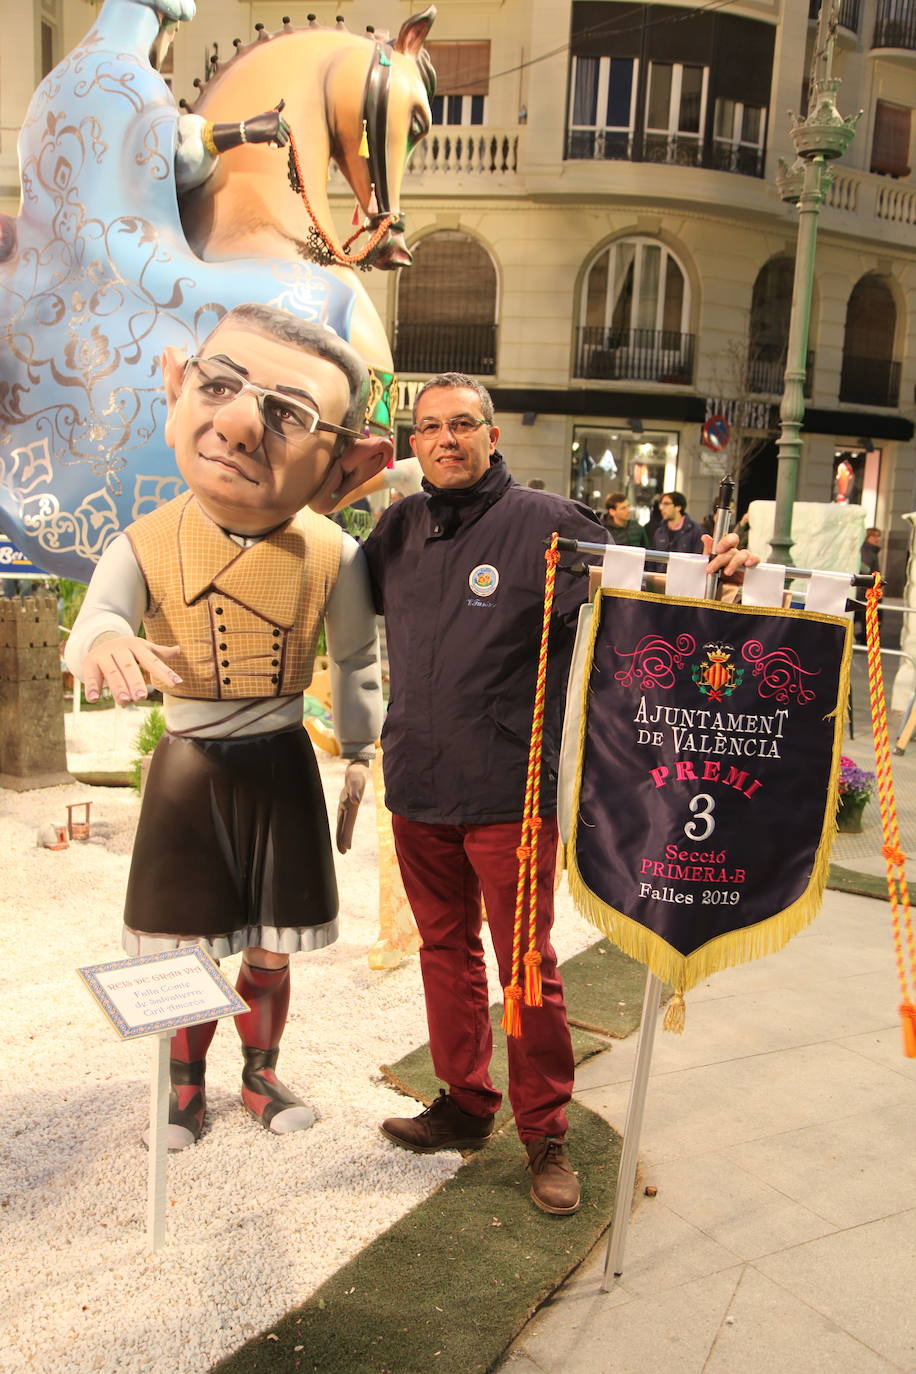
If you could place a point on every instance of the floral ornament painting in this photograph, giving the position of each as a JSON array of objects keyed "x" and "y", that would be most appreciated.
[{"x": 856, "y": 786}]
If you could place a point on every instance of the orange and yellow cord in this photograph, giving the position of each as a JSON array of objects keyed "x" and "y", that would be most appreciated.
[
  {"x": 527, "y": 851},
  {"x": 346, "y": 258},
  {"x": 901, "y": 916}
]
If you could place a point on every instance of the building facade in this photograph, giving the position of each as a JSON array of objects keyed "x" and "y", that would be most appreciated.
[{"x": 598, "y": 235}]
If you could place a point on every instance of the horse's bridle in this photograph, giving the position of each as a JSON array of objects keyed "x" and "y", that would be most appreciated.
[{"x": 375, "y": 120}]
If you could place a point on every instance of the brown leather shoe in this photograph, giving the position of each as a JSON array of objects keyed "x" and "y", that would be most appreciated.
[
  {"x": 442, "y": 1126},
  {"x": 554, "y": 1186}
]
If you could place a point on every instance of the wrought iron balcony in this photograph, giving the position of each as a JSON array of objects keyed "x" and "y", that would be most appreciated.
[
  {"x": 895, "y": 24},
  {"x": 766, "y": 376},
  {"x": 849, "y": 16},
  {"x": 638, "y": 355},
  {"x": 675, "y": 150},
  {"x": 445, "y": 347},
  {"x": 870, "y": 381}
]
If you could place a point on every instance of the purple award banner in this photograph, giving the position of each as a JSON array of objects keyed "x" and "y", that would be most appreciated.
[{"x": 706, "y": 782}]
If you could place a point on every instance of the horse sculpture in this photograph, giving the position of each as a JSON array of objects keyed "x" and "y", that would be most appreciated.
[{"x": 106, "y": 263}]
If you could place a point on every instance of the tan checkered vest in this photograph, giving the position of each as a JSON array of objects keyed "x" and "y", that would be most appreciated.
[{"x": 247, "y": 620}]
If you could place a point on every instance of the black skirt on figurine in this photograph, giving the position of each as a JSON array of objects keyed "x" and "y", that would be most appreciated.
[{"x": 232, "y": 848}]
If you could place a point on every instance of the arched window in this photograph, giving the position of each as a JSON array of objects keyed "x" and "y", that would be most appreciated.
[
  {"x": 447, "y": 308},
  {"x": 870, "y": 375},
  {"x": 634, "y": 313},
  {"x": 771, "y": 306}
]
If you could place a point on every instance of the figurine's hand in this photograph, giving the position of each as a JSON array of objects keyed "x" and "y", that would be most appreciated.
[
  {"x": 120, "y": 661},
  {"x": 177, "y": 10},
  {"x": 268, "y": 128},
  {"x": 729, "y": 560},
  {"x": 350, "y": 798}
]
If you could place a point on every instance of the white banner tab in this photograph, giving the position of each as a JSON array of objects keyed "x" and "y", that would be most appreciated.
[
  {"x": 686, "y": 575},
  {"x": 623, "y": 567},
  {"x": 828, "y": 592},
  {"x": 763, "y": 585}
]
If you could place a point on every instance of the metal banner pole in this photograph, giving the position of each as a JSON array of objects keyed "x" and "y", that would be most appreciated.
[
  {"x": 626, "y": 1174},
  {"x": 158, "y": 1141}
]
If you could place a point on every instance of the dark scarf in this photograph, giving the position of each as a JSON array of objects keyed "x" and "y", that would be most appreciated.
[{"x": 450, "y": 509}]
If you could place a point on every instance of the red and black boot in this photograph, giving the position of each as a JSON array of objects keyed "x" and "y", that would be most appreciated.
[
  {"x": 187, "y": 1098},
  {"x": 266, "y": 990}
]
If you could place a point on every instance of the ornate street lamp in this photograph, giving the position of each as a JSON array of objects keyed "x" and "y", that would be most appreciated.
[{"x": 819, "y": 138}]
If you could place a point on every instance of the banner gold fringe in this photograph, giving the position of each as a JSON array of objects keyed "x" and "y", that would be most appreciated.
[{"x": 683, "y": 972}]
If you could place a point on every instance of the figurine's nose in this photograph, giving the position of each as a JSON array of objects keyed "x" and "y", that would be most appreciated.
[{"x": 239, "y": 422}]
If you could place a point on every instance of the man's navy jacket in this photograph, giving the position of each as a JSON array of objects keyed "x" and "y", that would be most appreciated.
[{"x": 459, "y": 576}]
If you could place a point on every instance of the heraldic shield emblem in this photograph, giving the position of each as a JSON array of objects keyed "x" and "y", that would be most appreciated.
[{"x": 706, "y": 740}]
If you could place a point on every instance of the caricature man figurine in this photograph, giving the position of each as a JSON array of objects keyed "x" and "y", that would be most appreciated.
[{"x": 232, "y": 848}]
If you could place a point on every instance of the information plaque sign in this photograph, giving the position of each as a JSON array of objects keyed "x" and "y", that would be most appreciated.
[{"x": 154, "y": 993}]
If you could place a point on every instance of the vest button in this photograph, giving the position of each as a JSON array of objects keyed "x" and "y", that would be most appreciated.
[
  {"x": 224, "y": 663},
  {"x": 275, "y": 678},
  {"x": 218, "y": 610},
  {"x": 227, "y": 680},
  {"x": 224, "y": 647},
  {"x": 274, "y": 663},
  {"x": 222, "y": 629},
  {"x": 275, "y": 633}
]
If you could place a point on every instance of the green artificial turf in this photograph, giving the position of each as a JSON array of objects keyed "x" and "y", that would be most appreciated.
[
  {"x": 861, "y": 884},
  {"x": 450, "y": 1285}
]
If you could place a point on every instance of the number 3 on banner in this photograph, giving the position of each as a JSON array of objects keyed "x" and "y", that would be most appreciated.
[{"x": 703, "y": 814}]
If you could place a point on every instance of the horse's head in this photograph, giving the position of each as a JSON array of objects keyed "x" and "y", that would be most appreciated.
[{"x": 384, "y": 116}]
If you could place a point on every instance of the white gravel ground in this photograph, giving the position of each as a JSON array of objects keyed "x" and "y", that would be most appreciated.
[{"x": 256, "y": 1222}]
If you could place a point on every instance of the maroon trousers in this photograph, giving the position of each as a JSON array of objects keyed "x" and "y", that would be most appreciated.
[{"x": 445, "y": 868}]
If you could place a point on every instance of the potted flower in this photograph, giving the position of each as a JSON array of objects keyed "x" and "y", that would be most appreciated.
[{"x": 856, "y": 786}]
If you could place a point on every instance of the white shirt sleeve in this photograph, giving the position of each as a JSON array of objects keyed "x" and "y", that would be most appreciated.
[
  {"x": 114, "y": 603},
  {"x": 352, "y": 636},
  {"x": 404, "y": 476},
  {"x": 193, "y": 164}
]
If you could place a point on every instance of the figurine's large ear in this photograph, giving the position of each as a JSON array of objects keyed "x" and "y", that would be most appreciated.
[
  {"x": 173, "y": 365},
  {"x": 350, "y": 469},
  {"x": 414, "y": 30}
]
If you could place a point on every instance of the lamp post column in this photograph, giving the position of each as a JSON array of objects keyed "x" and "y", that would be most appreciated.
[{"x": 822, "y": 136}]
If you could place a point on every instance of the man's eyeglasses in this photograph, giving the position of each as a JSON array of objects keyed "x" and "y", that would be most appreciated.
[
  {"x": 462, "y": 427},
  {"x": 214, "y": 384}
]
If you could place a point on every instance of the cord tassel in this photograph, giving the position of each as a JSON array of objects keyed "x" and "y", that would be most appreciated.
[
  {"x": 908, "y": 1018},
  {"x": 512, "y": 1011},
  {"x": 676, "y": 1014},
  {"x": 364, "y": 143},
  {"x": 533, "y": 989}
]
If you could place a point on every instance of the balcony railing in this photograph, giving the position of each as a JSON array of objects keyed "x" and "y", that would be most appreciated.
[
  {"x": 674, "y": 150},
  {"x": 466, "y": 150},
  {"x": 870, "y": 381},
  {"x": 639, "y": 355},
  {"x": 445, "y": 347},
  {"x": 766, "y": 376},
  {"x": 895, "y": 24},
  {"x": 849, "y": 16}
]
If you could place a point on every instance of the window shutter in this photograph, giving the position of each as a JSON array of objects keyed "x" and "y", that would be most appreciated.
[
  {"x": 461, "y": 68},
  {"x": 891, "y": 143}
]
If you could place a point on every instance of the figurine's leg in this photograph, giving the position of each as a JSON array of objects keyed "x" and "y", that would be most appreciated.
[
  {"x": 266, "y": 990},
  {"x": 187, "y": 1098}
]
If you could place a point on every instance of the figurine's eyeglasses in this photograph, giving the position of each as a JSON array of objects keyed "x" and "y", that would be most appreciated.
[{"x": 214, "y": 383}]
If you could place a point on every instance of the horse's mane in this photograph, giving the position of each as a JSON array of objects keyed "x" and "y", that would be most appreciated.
[{"x": 219, "y": 69}]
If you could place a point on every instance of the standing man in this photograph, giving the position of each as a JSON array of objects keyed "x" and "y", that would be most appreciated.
[
  {"x": 232, "y": 848},
  {"x": 458, "y": 572},
  {"x": 677, "y": 533},
  {"x": 619, "y": 524},
  {"x": 870, "y": 551},
  {"x": 869, "y": 562}
]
